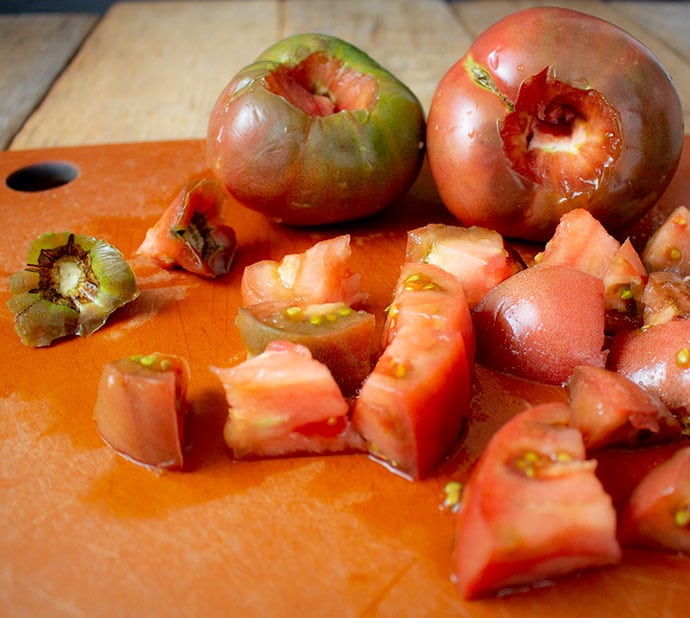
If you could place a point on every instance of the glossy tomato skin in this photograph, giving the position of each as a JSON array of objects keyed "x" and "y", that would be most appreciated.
[
  {"x": 541, "y": 323},
  {"x": 532, "y": 508},
  {"x": 480, "y": 184},
  {"x": 304, "y": 168}
]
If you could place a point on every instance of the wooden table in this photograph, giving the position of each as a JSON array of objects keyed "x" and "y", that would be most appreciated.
[{"x": 150, "y": 71}]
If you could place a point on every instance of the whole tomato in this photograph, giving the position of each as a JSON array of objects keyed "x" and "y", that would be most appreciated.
[
  {"x": 315, "y": 131},
  {"x": 550, "y": 110}
]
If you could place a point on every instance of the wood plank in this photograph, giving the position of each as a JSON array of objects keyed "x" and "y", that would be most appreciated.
[
  {"x": 151, "y": 71},
  {"x": 39, "y": 47},
  {"x": 477, "y": 16},
  {"x": 417, "y": 42}
]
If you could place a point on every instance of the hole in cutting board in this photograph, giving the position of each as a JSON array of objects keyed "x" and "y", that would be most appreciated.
[{"x": 42, "y": 176}]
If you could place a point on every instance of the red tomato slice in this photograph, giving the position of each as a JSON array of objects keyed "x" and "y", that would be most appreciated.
[
  {"x": 477, "y": 256},
  {"x": 191, "y": 233},
  {"x": 140, "y": 408},
  {"x": 669, "y": 247},
  {"x": 412, "y": 407},
  {"x": 657, "y": 513},
  {"x": 541, "y": 323},
  {"x": 319, "y": 275},
  {"x": 284, "y": 402},
  {"x": 609, "y": 409},
  {"x": 533, "y": 508}
]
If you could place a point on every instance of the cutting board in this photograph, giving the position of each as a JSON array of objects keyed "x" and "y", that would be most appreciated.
[{"x": 84, "y": 532}]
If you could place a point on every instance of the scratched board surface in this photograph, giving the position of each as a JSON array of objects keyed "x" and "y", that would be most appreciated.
[{"x": 84, "y": 532}]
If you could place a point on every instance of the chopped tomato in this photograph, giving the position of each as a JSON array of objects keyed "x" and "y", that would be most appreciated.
[
  {"x": 284, "y": 402},
  {"x": 669, "y": 247},
  {"x": 624, "y": 284},
  {"x": 191, "y": 233},
  {"x": 581, "y": 242},
  {"x": 340, "y": 337},
  {"x": 609, "y": 409},
  {"x": 477, "y": 256},
  {"x": 666, "y": 297},
  {"x": 657, "y": 513},
  {"x": 541, "y": 323},
  {"x": 533, "y": 508},
  {"x": 319, "y": 275},
  {"x": 658, "y": 359},
  {"x": 140, "y": 408},
  {"x": 412, "y": 407}
]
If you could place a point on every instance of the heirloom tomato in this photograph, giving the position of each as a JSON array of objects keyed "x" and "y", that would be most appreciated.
[
  {"x": 549, "y": 110},
  {"x": 533, "y": 508},
  {"x": 314, "y": 131}
]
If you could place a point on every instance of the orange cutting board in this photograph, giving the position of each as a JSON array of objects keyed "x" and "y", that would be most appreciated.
[{"x": 85, "y": 532}]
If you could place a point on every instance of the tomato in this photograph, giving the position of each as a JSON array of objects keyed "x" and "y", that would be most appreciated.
[
  {"x": 669, "y": 247},
  {"x": 541, "y": 323},
  {"x": 314, "y": 131},
  {"x": 532, "y": 508},
  {"x": 665, "y": 297},
  {"x": 550, "y": 110},
  {"x": 412, "y": 407},
  {"x": 625, "y": 282},
  {"x": 335, "y": 334},
  {"x": 140, "y": 408},
  {"x": 284, "y": 402},
  {"x": 321, "y": 274},
  {"x": 477, "y": 256},
  {"x": 658, "y": 359},
  {"x": 191, "y": 234},
  {"x": 657, "y": 513},
  {"x": 609, "y": 409}
]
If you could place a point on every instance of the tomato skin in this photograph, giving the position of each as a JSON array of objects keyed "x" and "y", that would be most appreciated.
[
  {"x": 140, "y": 408},
  {"x": 532, "y": 508},
  {"x": 300, "y": 166},
  {"x": 541, "y": 323},
  {"x": 482, "y": 182},
  {"x": 658, "y": 359},
  {"x": 657, "y": 514}
]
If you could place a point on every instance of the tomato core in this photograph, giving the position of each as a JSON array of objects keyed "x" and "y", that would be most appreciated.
[{"x": 321, "y": 85}]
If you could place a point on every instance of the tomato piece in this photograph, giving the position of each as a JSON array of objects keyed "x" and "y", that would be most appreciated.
[
  {"x": 140, "y": 408},
  {"x": 321, "y": 274},
  {"x": 541, "y": 323},
  {"x": 581, "y": 242},
  {"x": 669, "y": 247},
  {"x": 477, "y": 256},
  {"x": 609, "y": 409},
  {"x": 191, "y": 233},
  {"x": 658, "y": 359},
  {"x": 624, "y": 284},
  {"x": 532, "y": 508},
  {"x": 657, "y": 513},
  {"x": 412, "y": 407},
  {"x": 665, "y": 297},
  {"x": 283, "y": 402},
  {"x": 335, "y": 334}
]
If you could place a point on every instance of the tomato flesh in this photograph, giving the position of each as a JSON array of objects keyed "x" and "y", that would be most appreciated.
[
  {"x": 140, "y": 408},
  {"x": 665, "y": 297},
  {"x": 532, "y": 508},
  {"x": 669, "y": 247}
]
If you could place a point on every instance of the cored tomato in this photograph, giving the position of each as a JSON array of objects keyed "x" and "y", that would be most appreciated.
[
  {"x": 412, "y": 407},
  {"x": 657, "y": 513},
  {"x": 191, "y": 232},
  {"x": 541, "y": 323},
  {"x": 609, "y": 409},
  {"x": 284, "y": 402},
  {"x": 533, "y": 508},
  {"x": 335, "y": 334},
  {"x": 550, "y": 110},
  {"x": 321, "y": 274},
  {"x": 140, "y": 408}
]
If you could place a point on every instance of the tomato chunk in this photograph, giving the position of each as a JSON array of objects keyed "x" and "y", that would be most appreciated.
[
  {"x": 665, "y": 297},
  {"x": 532, "y": 508},
  {"x": 657, "y": 513},
  {"x": 140, "y": 408},
  {"x": 669, "y": 247},
  {"x": 412, "y": 407},
  {"x": 284, "y": 402}
]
